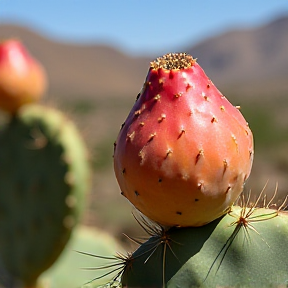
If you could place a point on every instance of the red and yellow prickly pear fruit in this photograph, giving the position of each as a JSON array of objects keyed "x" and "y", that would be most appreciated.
[
  {"x": 184, "y": 152},
  {"x": 22, "y": 78}
]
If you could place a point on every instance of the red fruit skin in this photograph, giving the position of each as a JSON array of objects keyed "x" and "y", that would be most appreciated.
[
  {"x": 185, "y": 151},
  {"x": 22, "y": 78}
]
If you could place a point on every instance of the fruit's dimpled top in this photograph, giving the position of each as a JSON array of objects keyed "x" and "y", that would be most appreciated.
[
  {"x": 184, "y": 152},
  {"x": 22, "y": 78}
]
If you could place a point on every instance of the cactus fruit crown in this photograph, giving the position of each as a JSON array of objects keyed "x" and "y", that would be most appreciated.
[
  {"x": 184, "y": 152},
  {"x": 173, "y": 61}
]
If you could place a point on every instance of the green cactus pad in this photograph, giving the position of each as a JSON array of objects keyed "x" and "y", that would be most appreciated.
[
  {"x": 43, "y": 177},
  {"x": 245, "y": 248},
  {"x": 72, "y": 269}
]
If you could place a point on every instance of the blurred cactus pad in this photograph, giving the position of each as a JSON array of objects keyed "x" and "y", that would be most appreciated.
[
  {"x": 44, "y": 174},
  {"x": 245, "y": 248},
  {"x": 72, "y": 269}
]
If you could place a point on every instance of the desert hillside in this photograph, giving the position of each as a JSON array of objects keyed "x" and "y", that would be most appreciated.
[{"x": 239, "y": 58}]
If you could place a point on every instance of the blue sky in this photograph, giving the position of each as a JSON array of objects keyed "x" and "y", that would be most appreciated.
[{"x": 139, "y": 27}]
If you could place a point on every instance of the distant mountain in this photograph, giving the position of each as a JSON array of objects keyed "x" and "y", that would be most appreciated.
[
  {"x": 255, "y": 57},
  {"x": 82, "y": 70},
  {"x": 247, "y": 61}
]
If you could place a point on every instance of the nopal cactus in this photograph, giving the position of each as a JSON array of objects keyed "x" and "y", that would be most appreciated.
[
  {"x": 22, "y": 78},
  {"x": 43, "y": 177},
  {"x": 245, "y": 248},
  {"x": 184, "y": 151}
]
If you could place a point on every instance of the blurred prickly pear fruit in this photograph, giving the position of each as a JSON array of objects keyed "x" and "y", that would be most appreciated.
[
  {"x": 43, "y": 178},
  {"x": 245, "y": 248},
  {"x": 184, "y": 151},
  {"x": 22, "y": 78}
]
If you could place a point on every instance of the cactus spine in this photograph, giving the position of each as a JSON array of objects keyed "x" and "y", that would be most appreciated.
[{"x": 245, "y": 248}]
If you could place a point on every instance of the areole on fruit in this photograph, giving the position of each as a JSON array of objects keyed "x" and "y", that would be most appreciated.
[{"x": 184, "y": 152}]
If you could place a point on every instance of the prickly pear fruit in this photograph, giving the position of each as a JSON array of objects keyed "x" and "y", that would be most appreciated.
[
  {"x": 238, "y": 250},
  {"x": 22, "y": 78},
  {"x": 43, "y": 179},
  {"x": 184, "y": 152}
]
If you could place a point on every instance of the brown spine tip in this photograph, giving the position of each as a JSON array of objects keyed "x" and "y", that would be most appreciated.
[
  {"x": 204, "y": 96},
  {"x": 188, "y": 86},
  {"x": 225, "y": 166},
  {"x": 200, "y": 186},
  {"x": 137, "y": 113},
  {"x": 182, "y": 131},
  {"x": 200, "y": 153},
  {"x": 168, "y": 152},
  {"x": 213, "y": 120},
  {"x": 130, "y": 136},
  {"x": 157, "y": 97},
  {"x": 151, "y": 137},
  {"x": 178, "y": 95},
  {"x": 161, "y": 118},
  {"x": 234, "y": 139},
  {"x": 172, "y": 61},
  {"x": 228, "y": 189},
  {"x": 141, "y": 155}
]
